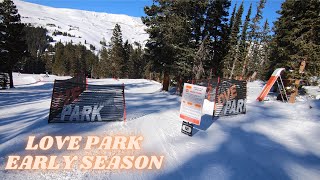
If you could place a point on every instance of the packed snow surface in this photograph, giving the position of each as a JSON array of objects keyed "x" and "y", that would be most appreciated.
[
  {"x": 87, "y": 27},
  {"x": 273, "y": 140}
]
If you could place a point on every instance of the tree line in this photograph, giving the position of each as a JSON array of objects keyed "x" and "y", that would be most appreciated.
[
  {"x": 28, "y": 49},
  {"x": 197, "y": 39},
  {"x": 117, "y": 59},
  {"x": 190, "y": 39}
]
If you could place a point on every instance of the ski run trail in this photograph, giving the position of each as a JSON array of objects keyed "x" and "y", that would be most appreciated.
[{"x": 273, "y": 140}]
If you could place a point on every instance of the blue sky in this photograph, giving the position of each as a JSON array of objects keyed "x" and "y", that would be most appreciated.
[{"x": 135, "y": 7}]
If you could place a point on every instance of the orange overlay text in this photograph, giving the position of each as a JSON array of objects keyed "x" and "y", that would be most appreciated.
[{"x": 88, "y": 161}]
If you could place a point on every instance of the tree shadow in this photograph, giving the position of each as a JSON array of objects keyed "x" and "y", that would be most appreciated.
[
  {"x": 25, "y": 94},
  {"x": 244, "y": 155},
  {"x": 138, "y": 105},
  {"x": 137, "y": 85},
  {"x": 206, "y": 122}
]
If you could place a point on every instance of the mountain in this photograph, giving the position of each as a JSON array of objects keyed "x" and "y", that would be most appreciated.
[{"x": 81, "y": 26}]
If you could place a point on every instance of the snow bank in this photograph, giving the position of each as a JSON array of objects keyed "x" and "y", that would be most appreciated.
[
  {"x": 25, "y": 79},
  {"x": 29, "y": 79},
  {"x": 313, "y": 91}
]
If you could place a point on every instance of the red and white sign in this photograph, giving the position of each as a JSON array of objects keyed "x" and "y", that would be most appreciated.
[
  {"x": 275, "y": 75},
  {"x": 191, "y": 103}
]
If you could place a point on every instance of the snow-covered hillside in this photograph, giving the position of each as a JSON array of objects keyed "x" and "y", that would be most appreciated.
[
  {"x": 87, "y": 26},
  {"x": 273, "y": 140}
]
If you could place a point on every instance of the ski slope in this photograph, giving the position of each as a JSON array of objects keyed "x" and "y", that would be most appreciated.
[
  {"x": 274, "y": 140},
  {"x": 87, "y": 26}
]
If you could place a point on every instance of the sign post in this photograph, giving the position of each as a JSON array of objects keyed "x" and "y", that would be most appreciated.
[
  {"x": 187, "y": 128},
  {"x": 191, "y": 105}
]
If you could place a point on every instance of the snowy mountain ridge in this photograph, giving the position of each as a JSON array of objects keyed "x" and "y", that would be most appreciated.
[{"x": 78, "y": 26}]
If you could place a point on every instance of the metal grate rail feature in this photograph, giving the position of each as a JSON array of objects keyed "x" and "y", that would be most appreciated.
[{"x": 80, "y": 102}]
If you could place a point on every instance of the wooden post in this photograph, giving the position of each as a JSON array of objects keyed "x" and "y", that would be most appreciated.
[
  {"x": 166, "y": 81},
  {"x": 297, "y": 83}
]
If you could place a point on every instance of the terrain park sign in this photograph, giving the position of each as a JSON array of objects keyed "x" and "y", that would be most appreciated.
[
  {"x": 75, "y": 101},
  {"x": 192, "y": 102},
  {"x": 230, "y": 98}
]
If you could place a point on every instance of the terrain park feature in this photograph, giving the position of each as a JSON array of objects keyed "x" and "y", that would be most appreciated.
[{"x": 73, "y": 100}]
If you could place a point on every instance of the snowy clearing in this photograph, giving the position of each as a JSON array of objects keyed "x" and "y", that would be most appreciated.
[{"x": 274, "y": 140}]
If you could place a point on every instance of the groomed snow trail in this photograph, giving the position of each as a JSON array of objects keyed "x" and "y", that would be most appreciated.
[{"x": 273, "y": 140}]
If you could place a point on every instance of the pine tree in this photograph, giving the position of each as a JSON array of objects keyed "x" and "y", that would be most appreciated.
[
  {"x": 217, "y": 25},
  {"x": 13, "y": 46},
  {"x": 264, "y": 52},
  {"x": 165, "y": 28},
  {"x": 37, "y": 41},
  {"x": 253, "y": 59},
  {"x": 127, "y": 68},
  {"x": 297, "y": 38},
  {"x": 137, "y": 62},
  {"x": 231, "y": 58},
  {"x": 104, "y": 63},
  {"x": 117, "y": 58},
  {"x": 3, "y": 52},
  {"x": 243, "y": 47},
  {"x": 59, "y": 66},
  {"x": 72, "y": 59},
  {"x": 232, "y": 17},
  {"x": 48, "y": 58},
  {"x": 187, "y": 38}
]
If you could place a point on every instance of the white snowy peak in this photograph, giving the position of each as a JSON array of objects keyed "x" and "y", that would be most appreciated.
[{"x": 80, "y": 26}]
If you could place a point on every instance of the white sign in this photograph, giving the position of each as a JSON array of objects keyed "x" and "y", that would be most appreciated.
[
  {"x": 191, "y": 103},
  {"x": 84, "y": 114}
]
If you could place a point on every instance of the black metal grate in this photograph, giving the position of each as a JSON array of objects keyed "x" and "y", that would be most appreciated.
[
  {"x": 230, "y": 98},
  {"x": 79, "y": 102}
]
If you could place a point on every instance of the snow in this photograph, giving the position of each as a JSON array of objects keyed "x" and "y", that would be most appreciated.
[
  {"x": 273, "y": 140},
  {"x": 29, "y": 79},
  {"x": 313, "y": 91},
  {"x": 84, "y": 25}
]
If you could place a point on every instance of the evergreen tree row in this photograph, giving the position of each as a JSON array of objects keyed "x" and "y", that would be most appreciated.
[
  {"x": 37, "y": 42},
  {"x": 188, "y": 39},
  {"x": 69, "y": 59},
  {"x": 195, "y": 39},
  {"x": 248, "y": 48},
  {"x": 120, "y": 60},
  {"x": 297, "y": 39}
]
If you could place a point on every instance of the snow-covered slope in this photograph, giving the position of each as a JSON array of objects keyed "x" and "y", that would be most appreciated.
[
  {"x": 273, "y": 140},
  {"x": 84, "y": 25}
]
